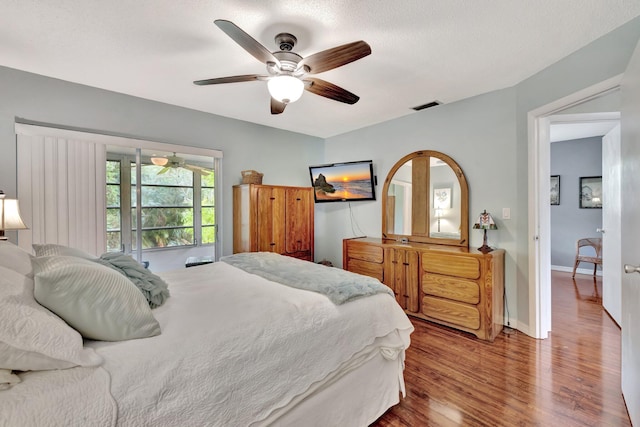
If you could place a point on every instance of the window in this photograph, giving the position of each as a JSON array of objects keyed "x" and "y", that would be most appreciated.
[
  {"x": 177, "y": 206},
  {"x": 114, "y": 237}
]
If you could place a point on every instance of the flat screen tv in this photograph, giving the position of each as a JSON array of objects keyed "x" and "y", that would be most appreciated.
[{"x": 343, "y": 182}]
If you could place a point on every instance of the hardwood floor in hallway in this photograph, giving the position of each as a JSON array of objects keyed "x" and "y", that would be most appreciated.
[{"x": 569, "y": 379}]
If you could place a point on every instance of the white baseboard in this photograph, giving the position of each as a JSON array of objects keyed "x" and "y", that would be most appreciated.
[{"x": 588, "y": 271}]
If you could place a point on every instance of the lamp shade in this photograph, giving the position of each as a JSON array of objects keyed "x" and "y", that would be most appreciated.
[
  {"x": 485, "y": 222},
  {"x": 285, "y": 89},
  {"x": 10, "y": 215}
]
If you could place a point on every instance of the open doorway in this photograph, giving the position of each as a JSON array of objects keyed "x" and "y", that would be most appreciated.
[
  {"x": 539, "y": 189},
  {"x": 585, "y": 164}
]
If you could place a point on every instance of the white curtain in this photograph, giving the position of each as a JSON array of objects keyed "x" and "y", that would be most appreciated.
[{"x": 61, "y": 189}]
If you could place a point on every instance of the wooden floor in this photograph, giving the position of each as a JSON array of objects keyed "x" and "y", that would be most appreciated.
[{"x": 570, "y": 379}]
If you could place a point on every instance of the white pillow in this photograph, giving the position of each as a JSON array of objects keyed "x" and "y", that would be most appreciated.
[
  {"x": 14, "y": 258},
  {"x": 97, "y": 301},
  {"x": 31, "y": 337},
  {"x": 49, "y": 249}
]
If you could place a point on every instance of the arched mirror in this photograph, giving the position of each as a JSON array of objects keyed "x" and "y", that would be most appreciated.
[{"x": 425, "y": 199}]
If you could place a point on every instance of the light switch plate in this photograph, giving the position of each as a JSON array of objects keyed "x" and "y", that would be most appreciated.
[{"x": 506, "y": 213}]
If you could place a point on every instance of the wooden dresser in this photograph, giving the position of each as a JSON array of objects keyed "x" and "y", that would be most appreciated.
[
  {"x": 454, "y": 286},
  {"x": 271, "y": 218}
]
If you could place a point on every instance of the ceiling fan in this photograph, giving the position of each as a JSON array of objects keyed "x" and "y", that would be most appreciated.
[
  {"x": 174, "y": 162},
  {"x": 287, "y": 72}
]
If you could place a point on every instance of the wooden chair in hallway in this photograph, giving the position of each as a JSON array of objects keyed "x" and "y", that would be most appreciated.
[{"x": 595, "y": 259}]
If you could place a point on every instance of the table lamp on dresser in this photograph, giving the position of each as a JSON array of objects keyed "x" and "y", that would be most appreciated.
[{"x": 485, "y": 222}]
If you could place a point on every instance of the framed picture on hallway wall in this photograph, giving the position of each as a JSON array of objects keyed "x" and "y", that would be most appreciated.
[
  {"x": 591, "y": 192},
  {"x": 555, "y": 189}
]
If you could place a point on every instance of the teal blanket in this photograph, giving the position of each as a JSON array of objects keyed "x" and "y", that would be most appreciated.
[
  {"x": 338, "y": 285},
  {"x": 154, "y": 289}
]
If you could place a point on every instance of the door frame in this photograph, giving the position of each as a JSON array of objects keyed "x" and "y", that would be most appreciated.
[{"x": 539, "y": 223}]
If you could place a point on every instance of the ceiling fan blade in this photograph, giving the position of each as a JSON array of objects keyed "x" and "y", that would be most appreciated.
[
  {"x": 198, "y": 169},
  {"x": 247, "y": 42},
  {"x": 164, "y": 170},
  {"x": 331, "y": 91},
  {"x": 277, "y": 107},
  {"x": 231, "y": 79},
  {"x": 335, "y": 57},
  {"x": 192, "y": 169}
]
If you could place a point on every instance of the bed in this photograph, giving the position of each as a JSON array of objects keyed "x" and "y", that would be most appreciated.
[{"x": 236, "y": 347}]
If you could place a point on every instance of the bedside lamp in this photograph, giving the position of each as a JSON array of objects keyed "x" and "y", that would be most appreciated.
[
  {"x": 9, "y": 216},
  {"x": 485, "y": 222}
]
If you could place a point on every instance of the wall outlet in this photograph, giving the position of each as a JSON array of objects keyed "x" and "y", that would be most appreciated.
[{"x": 506, "y": 213}]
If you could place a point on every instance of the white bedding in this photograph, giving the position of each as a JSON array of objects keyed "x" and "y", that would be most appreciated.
[{"x": 237, "y": 349}]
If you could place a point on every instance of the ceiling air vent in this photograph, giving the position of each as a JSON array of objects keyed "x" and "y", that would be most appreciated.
[{"x": 428, "y": 105}]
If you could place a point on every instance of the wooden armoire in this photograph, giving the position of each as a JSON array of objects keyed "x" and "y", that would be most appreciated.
[{"x": 270, "y": 218}]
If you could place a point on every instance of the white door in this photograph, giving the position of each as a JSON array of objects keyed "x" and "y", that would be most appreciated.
[
  {"x": 611, "y": 234},
  {"x": 630, "y": 153}
]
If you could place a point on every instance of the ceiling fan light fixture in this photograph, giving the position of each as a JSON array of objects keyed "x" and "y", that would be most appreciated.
[
  {"x": 159, "y": 161},
  {"x": 285, "y": 89}
]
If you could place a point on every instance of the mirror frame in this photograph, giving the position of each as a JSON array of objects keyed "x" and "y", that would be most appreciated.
[{"x": 464, "y": 202}]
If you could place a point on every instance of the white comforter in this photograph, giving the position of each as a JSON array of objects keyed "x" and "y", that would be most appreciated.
[{"x": 236, "y": 348}]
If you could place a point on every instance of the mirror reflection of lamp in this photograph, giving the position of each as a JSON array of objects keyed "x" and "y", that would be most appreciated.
[{"x": 438, "y": 216}]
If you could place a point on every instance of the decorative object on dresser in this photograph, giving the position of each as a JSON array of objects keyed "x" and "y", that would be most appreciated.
[
  {"x": 485, "y": 222},
  {"x": 270, "y": 218},
  {"x": 424, "y": 255},
  {"x": 9, "y": 215}
]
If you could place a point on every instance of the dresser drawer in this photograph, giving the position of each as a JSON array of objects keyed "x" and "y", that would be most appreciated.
[
  {"x": 451, "y": 265},
  {"x": 370, "y": 269},
  {"x": 453, "y": 312},
  {"x": 365, "y": 252},
  {"x": 452, "y": 288}
]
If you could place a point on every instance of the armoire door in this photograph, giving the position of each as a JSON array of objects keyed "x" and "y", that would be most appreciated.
[
  {"x": 299, "y": 228},
  {"x": 270, "y": 219}
]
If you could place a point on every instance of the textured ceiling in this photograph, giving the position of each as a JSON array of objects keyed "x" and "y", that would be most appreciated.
[{"x": 422, "y": 50}]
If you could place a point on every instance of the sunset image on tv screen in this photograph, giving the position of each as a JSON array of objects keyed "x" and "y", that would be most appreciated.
[{"x": 340, "y": 182}]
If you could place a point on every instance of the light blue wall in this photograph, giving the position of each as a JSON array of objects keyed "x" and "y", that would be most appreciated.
[
  {"x": 282, "y": 156},
  {"x": 572, "y": 160},
  {"x": 487, "y": 136},
  {"x": 478, "y": 132}
]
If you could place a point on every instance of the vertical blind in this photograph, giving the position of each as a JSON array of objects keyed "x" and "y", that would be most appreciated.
[{"x": 61, "y": 187}]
